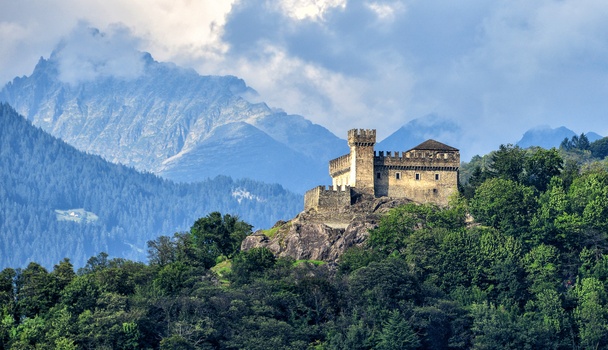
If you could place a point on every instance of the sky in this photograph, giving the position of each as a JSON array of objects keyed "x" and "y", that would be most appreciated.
[{"x": 494, "y": 68}]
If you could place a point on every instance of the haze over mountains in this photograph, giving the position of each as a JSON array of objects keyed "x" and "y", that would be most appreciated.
[
  {"x": 56, "y": 201},
  {"x": 175, "y": 123},
  {"x": 159, "y": 118},
  {"x": 547, "y": 137},
  {"x": 416, "y": 131}
]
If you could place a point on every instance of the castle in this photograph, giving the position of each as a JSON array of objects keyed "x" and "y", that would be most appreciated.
[{"x": 427, "y": 173}]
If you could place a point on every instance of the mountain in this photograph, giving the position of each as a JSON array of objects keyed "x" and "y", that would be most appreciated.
[
  {"x": 250, "y": 150},
  {"x": 419, "y": 130},
  {"x": 56, "y": 201},
  {"x": 547, "y": 137},
  {"x": 592, "y": 136},
  {"x": 174, "y": 122}
]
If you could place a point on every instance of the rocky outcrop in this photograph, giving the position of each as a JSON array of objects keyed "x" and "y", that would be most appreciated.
[{"x": 323, "y": 236}]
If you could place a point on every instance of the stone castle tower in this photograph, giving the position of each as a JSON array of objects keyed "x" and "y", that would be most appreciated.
[{"x": 427, "y": 173}]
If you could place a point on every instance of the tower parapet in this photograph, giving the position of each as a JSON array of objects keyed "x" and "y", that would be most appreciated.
[
  {"x": 361, "y": 137},
  {"x": 425, "y": 173}
]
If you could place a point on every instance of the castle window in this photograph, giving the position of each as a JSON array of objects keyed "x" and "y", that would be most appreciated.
[
  {"x": 436, "y": 177},
  {"x": 377, "y": 175},
  {"x": 398, "y": 176},
  {"x": 417, "y": 176}
]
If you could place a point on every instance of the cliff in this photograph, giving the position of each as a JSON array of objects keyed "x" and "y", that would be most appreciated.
[{"x": 316, "y": 236}]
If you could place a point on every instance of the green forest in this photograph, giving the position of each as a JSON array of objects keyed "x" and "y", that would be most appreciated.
[
  {"x": 518, "y": 260},
  {"x": 57, "y": 202}
]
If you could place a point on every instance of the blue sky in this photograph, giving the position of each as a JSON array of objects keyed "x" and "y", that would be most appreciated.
[{"x": 496, "y": 68}]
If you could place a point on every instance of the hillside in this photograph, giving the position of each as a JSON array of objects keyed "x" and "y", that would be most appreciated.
[
  {"x": 57, "y": 202},
  {"x": 530, "y": 271},
  {"x": 173, "y": 122}
]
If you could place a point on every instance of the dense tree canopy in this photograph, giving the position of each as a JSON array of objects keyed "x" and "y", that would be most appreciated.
[{"x": 515, "y": 266}]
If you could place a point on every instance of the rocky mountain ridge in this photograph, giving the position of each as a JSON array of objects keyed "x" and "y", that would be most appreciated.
[{"x": 176, "y": 123}]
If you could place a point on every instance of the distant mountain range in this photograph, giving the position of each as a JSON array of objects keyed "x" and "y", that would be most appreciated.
[
  {"x": 56, "y": 201},
  {"x": 176, "y": 123},
  {"x": 419, "y": 130},
  {"x": 547, "y": 137},
  {"x": 185, "y": 127}
]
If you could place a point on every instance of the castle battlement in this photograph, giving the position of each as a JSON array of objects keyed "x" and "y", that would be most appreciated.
[
  {"x": 339, "y": 165},
  {"x": 327, "y": 198},
  {"x": 330, "y": 188},
  {"x": 416, "y": 157},
  {"x": 362, "y": 137},
  {"x": 425, "y": 173}
]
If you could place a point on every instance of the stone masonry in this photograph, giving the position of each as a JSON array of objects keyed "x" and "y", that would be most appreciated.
[{"x": 427, "y": 173}]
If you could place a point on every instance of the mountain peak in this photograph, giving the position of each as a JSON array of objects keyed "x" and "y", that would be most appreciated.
[
  {"x": 159, "y": 117},
  {"x": 547, "y": 137},
  {"x": 417, "y": 131}
]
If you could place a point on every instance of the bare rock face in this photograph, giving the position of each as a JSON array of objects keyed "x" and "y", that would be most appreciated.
[
  {"x": 323, "y": 236},
  {"x": 175, "y": 123}
]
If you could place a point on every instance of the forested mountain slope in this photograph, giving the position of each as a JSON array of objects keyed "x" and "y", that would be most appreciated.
[
  {"x": 57, "y": 202},
  {"x": 166, "y": 120},
  {"x": 529, "y": 272}
]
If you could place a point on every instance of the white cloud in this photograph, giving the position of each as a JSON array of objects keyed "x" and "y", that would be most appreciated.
[
  {"x": 183, "y": 31},
  {"x": 387, "y": 11},
  {"x": 309, "y": 9},
  {"x": 87, "y": 54},
  {"x": 334, "y": 100},
  {"x": 496, "y": 67}
]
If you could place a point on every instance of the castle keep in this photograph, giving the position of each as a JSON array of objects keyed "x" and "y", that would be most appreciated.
[{"x": 427, "y": 173}]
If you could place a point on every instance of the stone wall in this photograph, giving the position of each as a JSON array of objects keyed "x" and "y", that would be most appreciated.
[
  {"x": 422, "y": 186},
  {"x": 425, "y": 174},
  {"x": 422, "y": 176},
  {"x": 339, "y": 166},
  {"x": 331, "y": 198},
  {"x": 361, "y": 142}
]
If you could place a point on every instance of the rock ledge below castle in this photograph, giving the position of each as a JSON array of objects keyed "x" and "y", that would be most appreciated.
[{"x": 324, "y": 236}]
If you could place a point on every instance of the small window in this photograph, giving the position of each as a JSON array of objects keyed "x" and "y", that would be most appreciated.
[
  {"x": 436, "y": 177},
  {"x": 417, "y": 176},
  {"x": 398, "y": 176},
  {"x": 377, "y": 175}
]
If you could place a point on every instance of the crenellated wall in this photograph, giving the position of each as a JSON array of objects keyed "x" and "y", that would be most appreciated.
[
  {"x": 339, "y": 166},
  {"x": 425, "y": 176},
  {"x": 426, "y": 173},
  {"x": 424, "y": 158},
  {"x": 362, "y": 137},
  {"x": 330, "y": 198}
]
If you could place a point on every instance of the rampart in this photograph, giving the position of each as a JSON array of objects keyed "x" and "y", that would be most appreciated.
[
  {"x": 427, "y": 173},
  {"x": 418, "y": 160},
  {"x": 323, "y": 198},
  {"x": 339, "y": 166}
]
